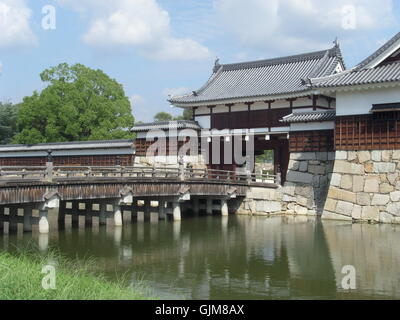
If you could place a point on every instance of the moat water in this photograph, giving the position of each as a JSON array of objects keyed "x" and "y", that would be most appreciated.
[{"x": 238, "y": 257}]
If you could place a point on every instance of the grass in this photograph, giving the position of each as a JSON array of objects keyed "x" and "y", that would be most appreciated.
[{"x": 21, "y": 279}]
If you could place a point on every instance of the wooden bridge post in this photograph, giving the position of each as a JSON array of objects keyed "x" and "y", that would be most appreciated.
[
  {"x": 134, "y": 211},
  {"x": 147, "y": 207},
  {"x": 176, "y": 210},
  {"x": 209, "y": 206},
  {"x": 161, "y": 209},
  {"x": 61, "y": 215},
  {"x": 88, "y": 214},
  {"x": 13, "y": 220},
  {"x": 1, "y": 219},
  {"x": 117, "y": 215},
  {"x": 103, "y": 213},
  {"x": 75, "y": 214},
  {"x": 224, "y": 207},
  {"x": 196, "y": 206},
  {"x": 43, "y": 221},
  {"x": 28, "y": 218}
]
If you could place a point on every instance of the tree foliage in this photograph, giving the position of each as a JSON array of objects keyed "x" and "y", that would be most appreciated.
[
  {"x": 79, "y": 104},
  {"x": 8, "y": 122},
  {"x": 163, "y": 116}
]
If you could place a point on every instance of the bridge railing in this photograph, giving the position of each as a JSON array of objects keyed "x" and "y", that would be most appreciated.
[{"x": 141, "y": 173}]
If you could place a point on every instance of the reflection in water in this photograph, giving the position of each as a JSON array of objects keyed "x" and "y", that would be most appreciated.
[{"x": 238, "y": 257}]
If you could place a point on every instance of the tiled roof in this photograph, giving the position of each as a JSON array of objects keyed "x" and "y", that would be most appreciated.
[
  {"x": 378, "y": 52},
  {"x": 264, "y": 78},
  {"x": 76, "y": 145},
  {"x": 166, "y": 125},
  {"x": 311, "y": 116},
  {"x": 386, "y": 73}
]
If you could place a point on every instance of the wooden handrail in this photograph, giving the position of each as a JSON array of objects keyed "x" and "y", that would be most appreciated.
[{"x": 141, "y": 172}]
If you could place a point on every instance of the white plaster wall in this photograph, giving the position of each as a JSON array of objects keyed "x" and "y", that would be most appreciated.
[
  {"x": 204, "y": 121},
  {"x": 202, "y": 110},
  {"x": 302, "y": 102},
  {"x": 360, "y": 102},
  {"x": 220, "y": 109}
]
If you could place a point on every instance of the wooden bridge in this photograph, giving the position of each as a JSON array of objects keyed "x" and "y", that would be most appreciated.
[{"x": 91, "y": 191}]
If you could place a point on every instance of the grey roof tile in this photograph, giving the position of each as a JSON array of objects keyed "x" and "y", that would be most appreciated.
[
  {"x": 166, "y": 125},
  {"x": 385, "y": 73},
  {"x": 311, "y": 116},
  {"x": 265, "y": 77}
]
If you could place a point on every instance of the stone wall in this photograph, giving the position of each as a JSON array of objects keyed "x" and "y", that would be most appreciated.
[
  {"x": 365, "y": 186},
  {"x": 260, "y": 201},
  {"x": 307, "y": 182}
]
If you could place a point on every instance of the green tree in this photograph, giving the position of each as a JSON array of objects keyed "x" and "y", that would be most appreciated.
[
  {"x": 8, "y": 122},
  {"x": 79, "y": 104},
  {"x": 163, "y": 116}
]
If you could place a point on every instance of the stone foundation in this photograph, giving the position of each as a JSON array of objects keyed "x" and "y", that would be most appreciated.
[
  {"x": 261, "y": 201},
  {"x": 307, "y": 182},
  {"x": 365, "y": 186}
]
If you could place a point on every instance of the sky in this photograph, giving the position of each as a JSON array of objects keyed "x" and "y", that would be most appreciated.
[{"x": 156, "y": 48}]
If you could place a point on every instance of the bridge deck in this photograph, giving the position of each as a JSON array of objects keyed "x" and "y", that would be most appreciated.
[{"x": 23, "y": 185}]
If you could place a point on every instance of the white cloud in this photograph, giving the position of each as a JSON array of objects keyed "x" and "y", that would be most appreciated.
[
  {"x": 290, "y": 25},
  {"x": 141, "y": 24},
  {"x": 175, "y": 91},
  {"x": 14, "y": 24}
]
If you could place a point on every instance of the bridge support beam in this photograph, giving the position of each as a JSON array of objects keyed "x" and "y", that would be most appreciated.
[
  {"x": 43, "y": 222},
  {"x": 147, "y": 208},
  {"x": 209, "y": 206},
  {"x": 1, "y": 219},
  {"x": 13, "y": 220},
  {"x": 224, "y": 207},
  {"x": 134, "y": 211},
  {"x": 88, "y": 214},
  {"x": 75, "y": 214},
  {"x": 103, "y": 213},
  {"x": 28, "y": 218},
  {"x": 161, "y": 209},
  {"x": 117, "y": 216},
  {"x": 176, "y": 210},
  {"x": 61, "y": 215},
  {"x": 196, "y": 206}
]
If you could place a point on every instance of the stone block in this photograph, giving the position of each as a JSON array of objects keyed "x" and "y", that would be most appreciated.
[
  {"x": 385, "y": 188},
  {"x": 327, "y": 215},
  {"x": 392, "y": 177},
  {"x": 342, "y": 166},
  {"x": 305, "y": 191},
  {"x": 357, "y": 212},
  {"x": 303, "y": 167},
  {"x": 358, "y": 183},
  {"x": 370, "y": 213},
  {"x": 351, "y": 155},
  {"x": 395, "y": 196},
  {"x": 396, "y": 155},
  {"x": 369, "y": 167},
  {"x": 303, "y": 156},
  {"x": 294, "y": 176},
  {"x": 376, "y": 155},
  {"x": 394, "y": 208},
  {"x": 347, "y": 182},
  {"x": 363, "y": 156},
  {"x": 385, "y": 217},
  {"x": 293, "y": 165},
  {"x": 330, "y": 205},
  {"x": 301, "y": 210},
  {"x": 380, "y": 200},
  {"x": 344, "y": 208},
  {"x": 288, "y": 198},
  {"x": 303, "y": 201},
  {"x": 336, "y": 179},
  {"x": 289, "y": 188},
  {"x": 372, "y": 184},
  {"x": 387, "y": 155},
  {"x": 341, "y": 155},
  {"x": 363, "y": 199},
  {"x": 316, "y": 169},
  {"x": 343, "y": 195},
  {"x": 268, "y": 206},
  {"x": 384, "y": 167},
  {"x": 331, "y": 156},
  {"x": 322, "y": 156}
]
